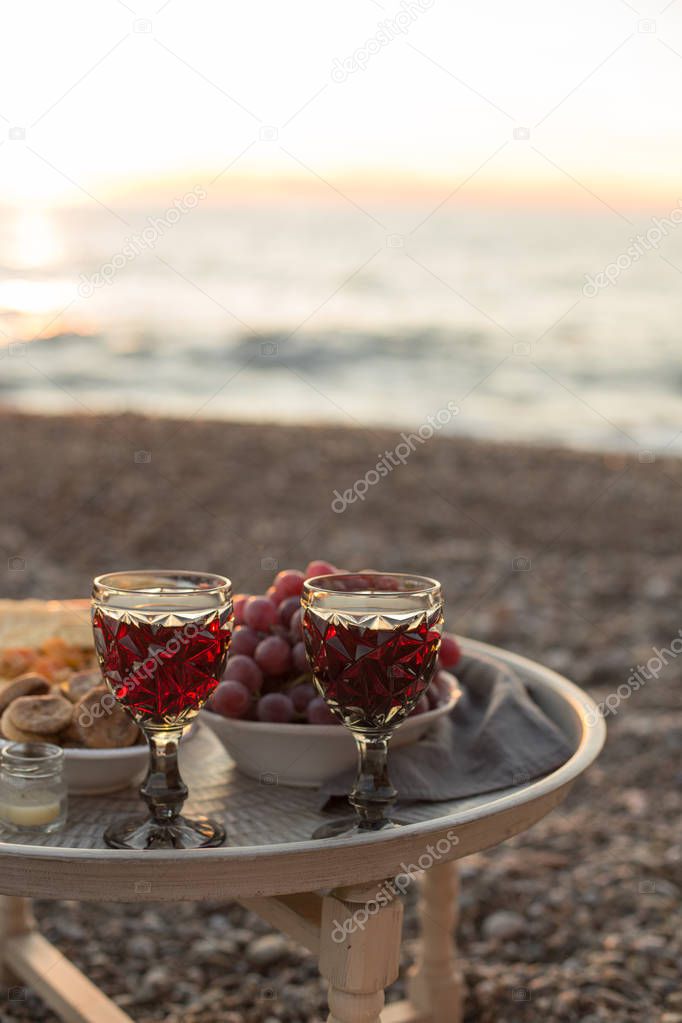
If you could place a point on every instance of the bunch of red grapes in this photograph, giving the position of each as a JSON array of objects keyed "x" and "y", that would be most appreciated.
[{"x": 267, "y": 677}]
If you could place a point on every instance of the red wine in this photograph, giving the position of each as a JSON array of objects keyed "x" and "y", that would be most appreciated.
[
  {"x": 371, "y": 668},
  {"x": 162, "y": 674}
]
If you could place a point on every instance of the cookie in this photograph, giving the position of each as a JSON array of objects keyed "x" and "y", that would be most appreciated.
[
  {"x": 41, "y": 715},
  {"x": 80, "y": 683},
  {"x": 70, "y": 736},
  {"x": 9, "y": 731},
  {"x": 102, "y": 723},
  {"x": 24, "y": 685}
]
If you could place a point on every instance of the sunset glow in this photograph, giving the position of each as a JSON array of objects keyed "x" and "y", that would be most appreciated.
[{"x": 568, "y": 101}]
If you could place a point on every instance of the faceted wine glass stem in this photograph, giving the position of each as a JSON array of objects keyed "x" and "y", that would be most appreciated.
[
  {"x": 163, "y": 789},
  {"x": 372, "y": 795}
]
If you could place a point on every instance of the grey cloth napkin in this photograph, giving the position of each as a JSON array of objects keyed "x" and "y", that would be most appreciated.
[{"x": 495, "y": 737}]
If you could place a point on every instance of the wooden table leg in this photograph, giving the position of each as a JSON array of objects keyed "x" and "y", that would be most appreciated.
[
  {"x": 27, "y": 957},
  {"x": 435, "y": 984},
  {"x": 16, "y": 917},
  {"x": 357, "y": 930},
  {"x": 359, "y": 952}
]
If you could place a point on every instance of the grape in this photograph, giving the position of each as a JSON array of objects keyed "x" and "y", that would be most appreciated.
[
  {"x": 242, "y": 669},
  {"x": 298, "y": 656},
  {"x": 231, "y": 699},
  {"x": 273, "y": 655},
  {"x": 271, "y": 594},
  {"x": 244, "y": 641},
  {"x": 318, "y": 713},
  {"x": 450, "y": 652},
  {"x": 319, "y": 568},
  {"x": 238, "y": 604},
  {"x": 280, "y": 630},
  {"x": 301, "y": 695},
  {"x": 296, "y": 626},
  {"x": 381, "y": 580},
  {"x": 275, "y": 707},
  {"x": 387, "y": 582},
  {"x": 260, "y": 613},
  {"x": 288, "y": 584},
  {"x": 287, "y": 608},
  {"x": 421, "y": 706}
]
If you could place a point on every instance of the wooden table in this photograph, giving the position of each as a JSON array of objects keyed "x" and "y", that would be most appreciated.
[{"x": 332, "y": 896}]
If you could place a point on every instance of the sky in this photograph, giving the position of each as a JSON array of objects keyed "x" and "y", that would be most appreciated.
[{"x": 578, "y": 103}]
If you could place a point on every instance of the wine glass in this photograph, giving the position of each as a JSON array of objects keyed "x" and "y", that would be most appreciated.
[
  {"x": 372, "y": 641},
  {"x": 162, "y": 639}
]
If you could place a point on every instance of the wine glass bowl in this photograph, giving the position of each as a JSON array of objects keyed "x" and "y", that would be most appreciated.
[
  {"x": 372, "y": 640},
  {"x": 162, "y": 639}
]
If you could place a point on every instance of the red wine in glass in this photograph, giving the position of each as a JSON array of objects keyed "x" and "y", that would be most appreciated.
[
  {"x": 162, "y": 639},
  {"x": 372, "y": 641},
  {"x": 161, "y": 674},
  {"x": 372, "y": 672}
]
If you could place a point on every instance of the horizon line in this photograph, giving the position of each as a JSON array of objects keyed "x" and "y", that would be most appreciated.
[{"x": 386, "y": 187}]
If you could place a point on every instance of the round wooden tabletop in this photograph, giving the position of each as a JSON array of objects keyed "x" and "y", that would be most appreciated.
[{"x": 269, "y": 826}]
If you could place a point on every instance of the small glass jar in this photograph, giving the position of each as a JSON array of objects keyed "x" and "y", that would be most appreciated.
[{"x": 32, "y": 788}]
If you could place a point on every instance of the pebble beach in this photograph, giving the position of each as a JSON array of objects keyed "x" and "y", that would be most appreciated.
[{"x": 569, "y": 558}]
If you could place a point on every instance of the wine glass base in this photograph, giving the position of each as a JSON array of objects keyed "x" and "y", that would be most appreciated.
[
  {"x": 181, "y": 833},
  {"x": 350, "y": 827}
]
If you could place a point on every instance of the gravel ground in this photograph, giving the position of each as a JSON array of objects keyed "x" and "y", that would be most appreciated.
[{"x": 569, "y": 558}]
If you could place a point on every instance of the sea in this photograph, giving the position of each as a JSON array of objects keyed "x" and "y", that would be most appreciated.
[{"x": 559, "y": 326}]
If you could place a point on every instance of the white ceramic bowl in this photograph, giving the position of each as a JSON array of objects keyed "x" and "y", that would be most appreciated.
[
  {"x": 305, "y": 755},
  {"x": 91, "y": 772}
]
